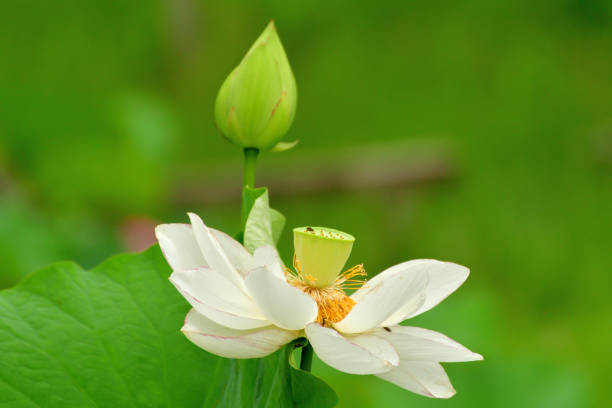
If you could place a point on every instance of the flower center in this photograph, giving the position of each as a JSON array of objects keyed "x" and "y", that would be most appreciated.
[
  {"x": 333, "y": 304},
  {"x": 331, "y": 300}
]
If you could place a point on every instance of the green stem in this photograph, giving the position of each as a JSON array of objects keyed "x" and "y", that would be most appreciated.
[
  {"x": 250, "y": 157},
  {"x": 306, "y": 360}
]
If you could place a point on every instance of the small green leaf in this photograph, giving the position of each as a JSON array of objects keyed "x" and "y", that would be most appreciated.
[
  {"x": 284, "y": 146},
  {"x": 258, "y": 228},
  {"x": 249, "y": 195},
  {"x": 277, "y": 221},
  {"x": 302, "y": 382},
  {"x": 109, "y": 337},
  {"x": 263, "y": 225}
]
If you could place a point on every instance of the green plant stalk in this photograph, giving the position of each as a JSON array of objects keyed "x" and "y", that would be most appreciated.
[
  {"x": 250, "y": 157},
  {"x": 248, "y": 182},
  {"x": 306, "y": 359}
]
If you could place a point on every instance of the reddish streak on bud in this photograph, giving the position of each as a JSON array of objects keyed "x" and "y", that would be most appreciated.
[{"x": 278, "y": 103}]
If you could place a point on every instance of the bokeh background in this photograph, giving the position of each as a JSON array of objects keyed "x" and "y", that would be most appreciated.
[{"x": 476, "y": 131}]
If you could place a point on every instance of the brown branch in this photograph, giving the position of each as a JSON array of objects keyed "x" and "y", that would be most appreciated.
[{"x": 388, "y": 166}]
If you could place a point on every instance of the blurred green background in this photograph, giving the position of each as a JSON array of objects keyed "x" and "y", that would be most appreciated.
[{"x": 498, "y": 116}]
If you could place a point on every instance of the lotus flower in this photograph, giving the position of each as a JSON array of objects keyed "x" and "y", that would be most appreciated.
[{"x": 249, "y": 305}]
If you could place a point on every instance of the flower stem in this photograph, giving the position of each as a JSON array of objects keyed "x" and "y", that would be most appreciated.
[
  {"x": 306, "y": 360},
  {"x": 250, "y": 156}
]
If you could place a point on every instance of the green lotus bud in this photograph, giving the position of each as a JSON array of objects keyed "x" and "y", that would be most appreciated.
[
  {"x": 321, "y": 253},
  {"x": 256, "y": 103}
]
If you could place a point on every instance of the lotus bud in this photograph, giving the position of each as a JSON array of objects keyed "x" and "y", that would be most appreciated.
[
  {"x": 320, "y": 253},
  {"x": 256, "y": 104}
]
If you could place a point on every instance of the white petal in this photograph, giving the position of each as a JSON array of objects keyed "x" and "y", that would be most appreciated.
[
  {"x": 416, "y": 344},
  {"x": 425, "y": 378},
  {"x": 214, "y": 296},
  {"x": 268, "y": 256},
  {"x": 361, "y": 354},
  {"x": 210, "y": 287},
  {"x": 235, "y": 252},
  {"x": 284, "y": 305},
  {"x": 214, "y": 254},
  {"x": 382, "y": 296},
  {"x": 231, "y": 343},
  {"x": 179, "y": 246},
  {"x": 406, "y": 309},
  {"x": 444, "y": 279}
]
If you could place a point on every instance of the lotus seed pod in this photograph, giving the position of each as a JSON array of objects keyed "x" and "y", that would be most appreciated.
[{"x": 321, "y": 253}]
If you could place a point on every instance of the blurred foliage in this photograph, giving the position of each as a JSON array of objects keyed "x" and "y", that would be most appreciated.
[{"x": 104, "y": 103}]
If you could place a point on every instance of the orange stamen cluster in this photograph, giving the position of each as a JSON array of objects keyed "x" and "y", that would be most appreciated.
[{"x": 333, "y": 303}]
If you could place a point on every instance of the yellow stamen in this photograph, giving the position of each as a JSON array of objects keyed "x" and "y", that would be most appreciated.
[
  {"x": 346, "y": 279},
  {"x": 333, "y": 303}
]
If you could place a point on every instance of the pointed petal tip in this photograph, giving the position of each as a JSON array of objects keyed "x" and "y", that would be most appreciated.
[
  {"x": 444, "y": 278},
  {"x": 449, "y": 263},
  {"x": 268, "y": 32},
  {"x": 444, "y": 395},
  {"x": 195, "y": 219},
  {"x": 422, "y": 345},
  {"x": 463, "y": 270},
  {"x": 179, "y": 247},
  {"x": 158, "y": 229},
  {"x": 379, "y": 302},
  {"x": 161, "y": 230},
  {"x": 468, "y": 357},
  {"x": 423, "y": 378}
]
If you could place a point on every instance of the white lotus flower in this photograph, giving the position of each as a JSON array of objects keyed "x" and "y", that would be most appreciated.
[{"x": 248, "y": 306}]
